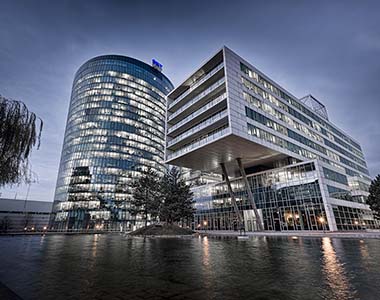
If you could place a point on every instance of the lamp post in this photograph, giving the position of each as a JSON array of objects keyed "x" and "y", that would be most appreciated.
[
  {"x": 322, "y": 221},
  {"x": 205, "y": 225}
]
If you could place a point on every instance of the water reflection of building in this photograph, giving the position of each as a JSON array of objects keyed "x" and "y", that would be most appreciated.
[
  {"x": 334, "y": 271},
  {"x": 115, "y": 130},
  {"x": 285, "y": 166}
]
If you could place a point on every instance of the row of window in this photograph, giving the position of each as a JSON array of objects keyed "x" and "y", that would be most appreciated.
[
  {"x": 126, "y": 136},
  {"x": 116, "y": 89},
  {"x": 250, "y": 113},
  {"x": 254, "y": 75},
  {"x": 262, "y": 134},
  {"x": 344, "y": 152},
  {"x": 115, "y": 123},
  {"x": 249, "y": 85},
  {"x": 99, "y": 127},
  {"x": 139, "y": 100},
  {"x": 335, "y": 176},
  {"x": 146, "y": 152},
  {"x": 357, "y": 185},
  {"x": 271, "y": 124},
  {"x": 114, "y": 176},
  {"x": 69, "y": 163},
  {"x": 339, "y": 193},
  {"x": 119, "y": 105},
  {"x": 140, "y": 71},
  {"x": 266, "y": 136},
  {"x": 349, "y": 218},
  {"x": 140, "y": 122},
  {"x": 134, "y": 107},
  {"x": 107, "y": 179},
  {"x": 113, "y": 143},
  {"x": 114, "y": 155},
  {"x": 114, "y": 83},
  {"x": 281, "y": 116},
  {"x": 281, "y": 129}
]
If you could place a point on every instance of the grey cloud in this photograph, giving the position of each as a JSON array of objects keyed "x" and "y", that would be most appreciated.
[{"x": 327, "y": 48}]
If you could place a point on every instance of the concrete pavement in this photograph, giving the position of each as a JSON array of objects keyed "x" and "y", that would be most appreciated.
[{"x": 373, "y": 234}]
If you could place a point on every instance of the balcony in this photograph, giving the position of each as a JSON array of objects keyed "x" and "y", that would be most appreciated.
[
  {"x": 198, "y": 143},
  {"x": 198, "y": 113},
  {"x": 199, "y": 128},
  {"x": 209, "y": 90},
  {"x": 196, "y": 85}
]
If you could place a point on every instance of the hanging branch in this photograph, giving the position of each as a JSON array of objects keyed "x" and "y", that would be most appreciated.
[{"x": 18, "y": 136}]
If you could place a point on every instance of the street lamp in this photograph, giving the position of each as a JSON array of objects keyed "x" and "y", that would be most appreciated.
[
  {"x": 205, "y": 225},
  {"x": 322, "y": 221}
]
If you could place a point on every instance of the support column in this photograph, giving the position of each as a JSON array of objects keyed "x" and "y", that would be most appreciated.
[
  {"x": 250, "y": 195},
  {"x": 233, "y": 199}
]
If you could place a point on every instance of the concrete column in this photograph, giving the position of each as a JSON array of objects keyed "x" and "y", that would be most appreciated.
[
  {"x": 250, "y": 195},
  {"x": 233, "y": 199}
]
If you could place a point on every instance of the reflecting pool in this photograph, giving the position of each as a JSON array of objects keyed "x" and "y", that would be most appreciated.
[{"x": 115, "y": 267}]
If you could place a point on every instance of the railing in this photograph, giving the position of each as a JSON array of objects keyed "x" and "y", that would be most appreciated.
[
  {"x": 198, "y": 112},
  {"x": 197, "y": 98},
  {"x": 198, "y": 143},
  {"x": 199, "y": 127},
  {"x": 196, "y": 84}
]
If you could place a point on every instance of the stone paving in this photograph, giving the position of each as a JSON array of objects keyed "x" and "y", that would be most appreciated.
[{"x": 373, "y": 234}]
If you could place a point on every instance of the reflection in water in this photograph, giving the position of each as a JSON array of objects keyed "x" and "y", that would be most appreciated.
[
  {"x": 364, "y": 250},
  {"x": 206, "y": 254},
  {"x": 115, "y": 267},
  {"x": 207, "y": 270},
  {"x": 95, "y": 245},
  {"x": 334, "y": 271},
  {"x": 42, "y": 239}
]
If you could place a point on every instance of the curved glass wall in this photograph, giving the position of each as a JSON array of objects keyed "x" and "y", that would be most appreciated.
[{"x": 115, "y": 130}]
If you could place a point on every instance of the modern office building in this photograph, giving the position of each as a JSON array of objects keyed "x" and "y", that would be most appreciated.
[
  {"x": 285, "y": 166},
  {"x": 24, "y": 215},
  {"x": 114, "y": 131}
]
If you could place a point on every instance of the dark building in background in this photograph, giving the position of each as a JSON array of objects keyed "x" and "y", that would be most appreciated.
[
  {"x": 22, "y": 215},
  {"x": 115, "y": 130}
]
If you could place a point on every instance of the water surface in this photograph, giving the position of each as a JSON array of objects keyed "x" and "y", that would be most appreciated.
[{"x": 116, "y": 267}]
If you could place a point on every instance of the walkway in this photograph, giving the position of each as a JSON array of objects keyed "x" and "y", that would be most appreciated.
[{"x": 375, "y": 234}]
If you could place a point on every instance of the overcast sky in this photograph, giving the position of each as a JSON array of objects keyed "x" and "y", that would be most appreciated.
[{"x": 330, "y": 49}]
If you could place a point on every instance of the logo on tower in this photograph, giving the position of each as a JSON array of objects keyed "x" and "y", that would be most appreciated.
[{"x": 157, "y": 65}]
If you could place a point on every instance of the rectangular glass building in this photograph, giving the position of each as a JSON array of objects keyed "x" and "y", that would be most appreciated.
[{"x": 285, "y": 166}]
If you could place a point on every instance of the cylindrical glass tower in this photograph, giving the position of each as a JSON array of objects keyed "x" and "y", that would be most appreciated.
[{"x": 115, "y": 130}]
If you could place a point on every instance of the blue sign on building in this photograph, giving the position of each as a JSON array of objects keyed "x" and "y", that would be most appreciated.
[{"x": 156, "y": 65}]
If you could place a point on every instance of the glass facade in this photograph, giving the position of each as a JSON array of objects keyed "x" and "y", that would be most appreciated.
[
  {"x": 115, "y": 130},
  {"x": 351, "y": 218},
  {"x": 287, "y": 199}
]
